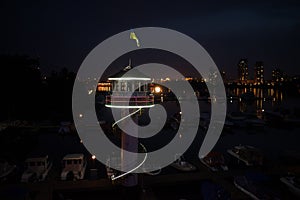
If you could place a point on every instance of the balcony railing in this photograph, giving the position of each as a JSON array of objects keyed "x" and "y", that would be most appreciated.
[{"x": 126, "y": 99}]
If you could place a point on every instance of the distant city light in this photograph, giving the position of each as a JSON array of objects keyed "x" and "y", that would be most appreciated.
[
  {"x": 80, "y": 115},
  {"x": 129, "y": 78}
]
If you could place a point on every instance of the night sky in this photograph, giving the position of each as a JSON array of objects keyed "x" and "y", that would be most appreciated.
[{"x": 62, "y": 33}]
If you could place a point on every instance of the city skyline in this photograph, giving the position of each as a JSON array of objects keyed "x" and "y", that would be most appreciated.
[{"x": 61, "y": 34}]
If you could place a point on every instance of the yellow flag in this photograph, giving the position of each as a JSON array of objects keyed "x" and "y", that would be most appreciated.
[{"x": 134, "y": 37}]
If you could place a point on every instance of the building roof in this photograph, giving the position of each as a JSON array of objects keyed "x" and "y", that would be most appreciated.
[{"x": 37, "y": 159}]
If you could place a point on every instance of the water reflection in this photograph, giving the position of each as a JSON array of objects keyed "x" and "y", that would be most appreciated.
[{"x": 256, "y": 99}]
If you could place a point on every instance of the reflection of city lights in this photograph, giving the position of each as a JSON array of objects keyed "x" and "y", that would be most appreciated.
[
  {"x": 93, "y": 157},
  {"x": 157, "y": 89}
]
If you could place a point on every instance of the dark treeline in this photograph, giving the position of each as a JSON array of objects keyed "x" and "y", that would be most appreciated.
[{"x": 26, "y": 95}]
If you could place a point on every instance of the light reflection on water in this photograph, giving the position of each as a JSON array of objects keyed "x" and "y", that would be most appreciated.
[
  {"x": 265, "y": 98},
  {"x": 271, "y": 140}
]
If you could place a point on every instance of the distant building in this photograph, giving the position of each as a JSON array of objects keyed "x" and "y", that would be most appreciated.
[
  {"x": 243, "y": 70},
  {"x": 278, "y": 75},
  {"x": 223, "y": 74},
  {"x": 259, "y": 72},
  {"x": 104, "y": 87}
]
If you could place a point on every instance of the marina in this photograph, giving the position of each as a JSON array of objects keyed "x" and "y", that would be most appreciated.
[{"x": 273, "y": 142}]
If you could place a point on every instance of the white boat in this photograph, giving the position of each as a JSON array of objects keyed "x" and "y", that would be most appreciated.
[
  {"x": 293, "y": 183},
  {"x": 214, "y": 161},
  {"x": 6, "y": 169},
  {"x": 37, "y": 169},
  {"x": 247, "y": 154},
  {"x": 74, "y": 166},
  {"x": 182, "y": 165}
]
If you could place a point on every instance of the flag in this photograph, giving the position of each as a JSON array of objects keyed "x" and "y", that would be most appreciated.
[{"x": 134, "y": 37}]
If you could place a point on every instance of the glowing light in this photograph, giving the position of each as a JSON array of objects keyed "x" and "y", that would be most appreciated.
[
  {"x": 157, "y": 89},
  {"x": 93, "y": 157},
  {"x": 80, "y": 115},
  {"x": 90, "y": 91},
  {"x": 263, "y": 110}
]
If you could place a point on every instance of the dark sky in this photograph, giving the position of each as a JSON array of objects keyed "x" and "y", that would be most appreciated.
[{"x": 62, "y": 33}]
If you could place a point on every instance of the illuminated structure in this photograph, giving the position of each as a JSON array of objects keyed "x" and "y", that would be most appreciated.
[
  {"x": 125, "y": 94},
  {"x": 104, "y": 87},
  {"x": 277, "y": 76},
  {"x": 259, "y": 73},
  {"x": 129, "y": 91},
  {"x": 243, "y": 70}
]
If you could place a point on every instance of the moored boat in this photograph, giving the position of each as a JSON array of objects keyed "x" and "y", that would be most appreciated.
[
  {"x": 74, "y": 166},
  {"x": 6, "y": 169},
  {"x": 247, "y": 154},
  {"x": 182, "y": 165},
  {"x": 214, "y": 161},
  {"x": 256, "y": 185},
  {"x": 37, "y": 169},
  {"x": 293, "y": 183}
]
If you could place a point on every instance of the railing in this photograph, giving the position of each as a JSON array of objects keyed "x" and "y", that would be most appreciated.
[{"x": 130, "y": 100}]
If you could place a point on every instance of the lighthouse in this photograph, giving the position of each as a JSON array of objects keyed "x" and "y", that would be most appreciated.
[{"x": 128, "y": 96}]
